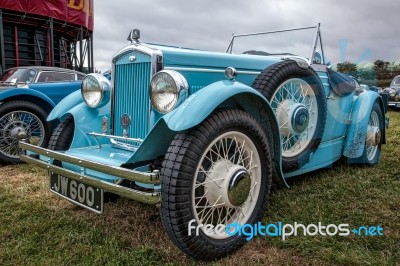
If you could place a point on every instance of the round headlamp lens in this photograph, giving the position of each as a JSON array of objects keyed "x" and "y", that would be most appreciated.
[
  {"x": 94, "y": 89},
  {"x": 165, "y": 88}
]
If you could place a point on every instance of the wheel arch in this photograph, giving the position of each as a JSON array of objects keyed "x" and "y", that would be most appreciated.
[
  {"x": 357, "y": 130},
  {"x": 66, "y": 105}
]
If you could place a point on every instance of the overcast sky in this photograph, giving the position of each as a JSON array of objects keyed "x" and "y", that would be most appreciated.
[{"x": 355, "y": 30}]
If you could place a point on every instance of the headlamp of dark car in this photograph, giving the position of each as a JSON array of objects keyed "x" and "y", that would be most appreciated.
[
  {"x": 95, "y": 90},
  {"x": 167, "y": 89}
]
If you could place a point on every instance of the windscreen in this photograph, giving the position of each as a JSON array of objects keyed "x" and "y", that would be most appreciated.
[
  {"x": 292, "y": 42},
  {"x": 21, "y": 75}
]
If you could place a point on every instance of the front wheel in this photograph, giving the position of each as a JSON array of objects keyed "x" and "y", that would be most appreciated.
[
  {"x": 21, "y": 120},
  {"x": 212, "y": 176}
]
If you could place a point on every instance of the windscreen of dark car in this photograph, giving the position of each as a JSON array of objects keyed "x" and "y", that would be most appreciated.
[
  {"x": 396, "y": 81},
  {"x": 21, "y": 75}
]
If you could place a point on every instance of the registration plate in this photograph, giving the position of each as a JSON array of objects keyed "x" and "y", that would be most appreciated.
[{"x": 81, "y": 194}]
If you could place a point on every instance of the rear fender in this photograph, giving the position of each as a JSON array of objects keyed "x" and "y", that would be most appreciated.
[{"x": 357, "y": 130}]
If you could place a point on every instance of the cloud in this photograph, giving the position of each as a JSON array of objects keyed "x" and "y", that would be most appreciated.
[{"x": 349, "y": 28}]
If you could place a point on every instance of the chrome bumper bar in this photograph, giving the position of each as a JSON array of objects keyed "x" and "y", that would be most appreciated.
[{"x": 149, "y": 178}]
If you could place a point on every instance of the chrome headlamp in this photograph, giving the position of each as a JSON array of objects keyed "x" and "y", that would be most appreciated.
[
  {"x": 166, "y": 88},
  {"x": 95, "y": 90}
]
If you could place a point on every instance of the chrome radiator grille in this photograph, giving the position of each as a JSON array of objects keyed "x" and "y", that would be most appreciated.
[{"x": 131, "y": 93}]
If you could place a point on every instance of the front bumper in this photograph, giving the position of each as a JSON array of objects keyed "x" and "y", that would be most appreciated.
[{"x": 45, "y": 158}]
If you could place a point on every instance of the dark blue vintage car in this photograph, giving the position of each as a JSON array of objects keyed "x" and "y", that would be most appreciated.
[
  {"x": 202, "y": 133},
  {"x": 27, "y": 95},
  {"x": 393, "y": 92}
]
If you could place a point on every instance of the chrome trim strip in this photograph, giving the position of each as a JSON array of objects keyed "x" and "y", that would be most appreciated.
[
  {"x": 149, "y": 198},
  {"x": 133, "y": 175},
  {"x": 114, "y": 137},
  {"x": 210, "y": 70},
  {"x": 123, "y": 146}
]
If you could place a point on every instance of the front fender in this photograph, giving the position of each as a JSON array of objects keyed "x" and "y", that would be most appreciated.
[
  {"x": 6, "y": 94},
  {"x": 193, "y": 111},
  {"x": 65, "y": 105},
  {"x": 202, "y": 103},
  {"x": 357, "y": 130}
]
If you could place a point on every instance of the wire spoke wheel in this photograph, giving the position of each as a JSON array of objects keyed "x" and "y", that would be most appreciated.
[
  {"x": 18, "y": 125},
  {"x": 218, "y": 196},
  {"x": 297, "y": 97},
  {"x": 294, "y": 104},
  {"x": 214, "y": 175}
]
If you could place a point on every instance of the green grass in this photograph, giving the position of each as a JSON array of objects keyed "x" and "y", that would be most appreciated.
[{"x": 38, "y": 228}]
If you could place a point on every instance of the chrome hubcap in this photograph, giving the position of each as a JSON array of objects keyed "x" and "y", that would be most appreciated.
[
  {"x": 18, "y": 133},
  {"x": 239, "y": 187},
  {"x": 374, "y": 136},
  {"x": 234, "y": 189}
]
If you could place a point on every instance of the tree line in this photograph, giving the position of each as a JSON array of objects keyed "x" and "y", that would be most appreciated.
[{"x": 380, "y": 74}]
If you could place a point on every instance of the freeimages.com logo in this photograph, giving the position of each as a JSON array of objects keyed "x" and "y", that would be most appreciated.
[{"x": 282, "y": 230}]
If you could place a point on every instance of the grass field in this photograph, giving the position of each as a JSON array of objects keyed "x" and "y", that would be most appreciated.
[{"x": 38, "y": 228}]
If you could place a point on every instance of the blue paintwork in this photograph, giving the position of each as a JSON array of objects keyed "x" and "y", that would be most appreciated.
[
  {"x": 51, "y": 93},
  {"x": 65, "y": 105},
  {"x": 327, "y": 153},
  {"x": 338, "y": 111},
  {"x": 357, "y": 131},
  {"x": 88, "y": 120},
  {"x": 180, "y": 57}
]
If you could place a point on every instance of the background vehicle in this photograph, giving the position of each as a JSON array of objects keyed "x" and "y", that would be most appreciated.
[
  {"x": 209, "y": 135},
  {"x": 394, "y": 92},
  {"x": 27, "y": 95}
]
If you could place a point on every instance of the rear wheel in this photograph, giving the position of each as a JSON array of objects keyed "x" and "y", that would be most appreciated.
[
  {"x": 373, "y": 140},
  {"x": 21, "y": 120},
  {"x": 213, "y": 175},
  {"x": 297, "y": 97}
]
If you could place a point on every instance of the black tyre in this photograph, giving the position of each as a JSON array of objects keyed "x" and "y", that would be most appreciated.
[
  {"x": 297, "y": 97},
  {"x": 21, "y": 120},
  {"x": 215, "y": 173},
  {"x": 374, "y": 138},
  {"x": 61, "y": 138}
]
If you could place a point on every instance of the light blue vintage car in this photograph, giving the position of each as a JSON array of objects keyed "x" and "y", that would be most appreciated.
[{"x": 202, "y": 133}]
